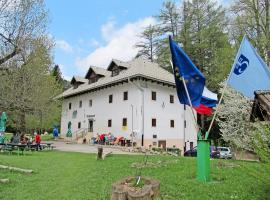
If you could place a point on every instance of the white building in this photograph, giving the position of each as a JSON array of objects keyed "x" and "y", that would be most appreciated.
[{"x": 136, "y": 96}]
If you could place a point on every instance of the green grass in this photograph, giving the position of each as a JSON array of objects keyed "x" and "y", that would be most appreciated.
[{"x": 65, "y": 175}]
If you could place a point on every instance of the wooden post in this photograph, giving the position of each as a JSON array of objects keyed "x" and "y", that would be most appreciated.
[{"x": 100, "y": 151}]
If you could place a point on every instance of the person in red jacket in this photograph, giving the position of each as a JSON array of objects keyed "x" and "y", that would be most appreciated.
[{"x": 38, "y": 140}]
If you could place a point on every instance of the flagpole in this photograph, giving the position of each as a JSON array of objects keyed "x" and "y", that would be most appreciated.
[
  {"x": 225, "y": 87},
  {"x": 189, "y": 100}
]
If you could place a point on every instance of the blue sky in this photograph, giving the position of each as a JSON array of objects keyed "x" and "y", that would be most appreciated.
[{"x": 92, "y": 32}]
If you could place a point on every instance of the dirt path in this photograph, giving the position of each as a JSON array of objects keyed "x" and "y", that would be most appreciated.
[{"x": 86, "y": 148}]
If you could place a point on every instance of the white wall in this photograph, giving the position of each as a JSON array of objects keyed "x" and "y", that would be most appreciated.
[
  {"x": 103, "y": 110},
  {"x": 161, "y": 109}
]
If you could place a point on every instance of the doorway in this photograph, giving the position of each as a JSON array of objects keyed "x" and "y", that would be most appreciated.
[
  {"x": 162, "y": 144},
  {"x": 91, "y": 125}
]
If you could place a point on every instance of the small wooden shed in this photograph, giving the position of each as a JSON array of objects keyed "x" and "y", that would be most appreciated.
[{"x": 261, "y": 106}]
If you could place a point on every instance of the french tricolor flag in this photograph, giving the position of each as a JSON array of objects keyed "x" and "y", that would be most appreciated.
[{"x": 208, "y": 101}]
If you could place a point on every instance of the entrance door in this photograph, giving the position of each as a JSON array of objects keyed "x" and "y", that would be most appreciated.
[
  {"x": 162, "y": 144},
  {"x": 191, "y": 145},
  {"x": 90, "y": 125}
]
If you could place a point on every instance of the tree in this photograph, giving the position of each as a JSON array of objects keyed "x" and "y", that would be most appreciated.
[
  {"x": 234, "y": 120},
  {"x": 205, "y": 39},
  {"x": 252, "y": 18},
  {"x": 28, "y": 91},
  {"x": 21, "y": 21},
  {"x": 261, "y": 141},
  {"x": 169, "y": 18},
  {"x": 149, "y": 44},
  {"x": 57, "y": 73}
]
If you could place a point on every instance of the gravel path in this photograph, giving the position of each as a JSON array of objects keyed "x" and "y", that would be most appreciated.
[{"x": 86, "y": 148}]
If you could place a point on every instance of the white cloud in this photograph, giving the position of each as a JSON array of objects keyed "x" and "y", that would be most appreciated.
[
  {"x": 64, "y": 46},
  {"x": 120, "y": 43}
]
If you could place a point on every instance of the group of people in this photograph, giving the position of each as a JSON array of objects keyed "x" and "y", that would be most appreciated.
[
  {"x": 21, "y": 138},
  {"x": 108, "y": 139},
  {"x": 103, "y": 138}
]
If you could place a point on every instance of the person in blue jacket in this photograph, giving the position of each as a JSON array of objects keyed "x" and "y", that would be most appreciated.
[{"x": 55, "y": 132}]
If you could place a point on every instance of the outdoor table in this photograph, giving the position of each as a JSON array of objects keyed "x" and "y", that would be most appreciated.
[
  {"x": 20, "y": 147},
  {"x": 48, "y": 144}
]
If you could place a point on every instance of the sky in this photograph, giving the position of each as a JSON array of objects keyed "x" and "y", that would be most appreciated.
[{"x": 93, "y": 32}]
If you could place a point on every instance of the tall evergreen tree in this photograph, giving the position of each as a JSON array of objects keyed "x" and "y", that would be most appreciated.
[
  {"x": 252, "y": 17},
  {"x": 149, "y": 46}
]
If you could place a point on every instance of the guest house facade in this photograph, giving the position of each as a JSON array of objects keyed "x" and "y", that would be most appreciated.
[{"x": 135, "y": 99}]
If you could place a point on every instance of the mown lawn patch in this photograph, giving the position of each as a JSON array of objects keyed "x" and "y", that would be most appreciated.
[{"x": 65, "y": 175}]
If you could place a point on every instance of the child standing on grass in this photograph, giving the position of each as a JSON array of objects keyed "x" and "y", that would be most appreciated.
[{"x": 38, "y": 140}]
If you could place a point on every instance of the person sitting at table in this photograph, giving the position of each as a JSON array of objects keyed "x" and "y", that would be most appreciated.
[
  {"x": 98, "y": 139},
  {"x": 23, "y": 139},
  {"x": 111, "y": 138},
  {"x": 38, "y": 141},
  {"x": 15, "y": 139},
  {"x": 102, "y": 138}
]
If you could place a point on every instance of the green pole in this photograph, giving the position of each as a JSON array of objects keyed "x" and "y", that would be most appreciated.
[{"x": 203, "y": 160}]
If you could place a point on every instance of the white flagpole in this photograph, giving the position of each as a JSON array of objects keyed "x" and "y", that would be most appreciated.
[
  {"x": 189, "y": 100},
  {"x": 225, "y": 87}
]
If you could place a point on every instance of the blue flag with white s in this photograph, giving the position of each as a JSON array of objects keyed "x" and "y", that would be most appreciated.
[{"x": 249, "y": 72}]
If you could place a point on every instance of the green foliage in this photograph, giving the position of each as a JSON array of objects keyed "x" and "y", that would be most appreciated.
[
  {"x": 200, "y": 27},
  {"x": 29, "y": 91},
  {"x": 58, "y": 175},
  {"x": 261, "y": 140}
]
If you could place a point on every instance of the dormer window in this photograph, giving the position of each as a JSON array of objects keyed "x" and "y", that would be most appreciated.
[
  {"x": 93, "y": 80},
  {"x": 116, "y": 67},
  {"x": 115, "y": 71},
  {"x": 76, "y": 81},
  {"x": 95, "y": 73}
]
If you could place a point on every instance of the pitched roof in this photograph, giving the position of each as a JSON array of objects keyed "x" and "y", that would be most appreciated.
[
  {"x": 97, "y": 70},
  {"x": 78, "y": 79},
  {"x": 135, "y": 68},
  {"x": 101, "y": 71}
]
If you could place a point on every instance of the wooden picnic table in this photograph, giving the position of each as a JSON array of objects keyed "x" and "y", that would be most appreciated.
[
  {"x": 47, "y": 145},
  {"x": 14, "y": 146}
]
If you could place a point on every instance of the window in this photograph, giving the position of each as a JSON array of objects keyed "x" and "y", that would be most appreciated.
[
  {"x": 110, "y": 98},
  {"x": 115, "y": 71},
  {"x": 124, "y": 122},
  {"x": 80, "y": 104},
  {"x": 90, "y": 103},
  {"x": 125, "y": 96},
  {"x": 154, "y": 96},
  {"x": 154, "y": 143},
  {"x": 109, "y": 123},
  {"x": 93, "y": 80},
  {"x": 172, "y": 123},
  {"x": 79, "y": 125},
  {"x": 74, "y": 114},
  {"x": 171, "y": 99},
  {"x": 154, "y": 122},
  {"x": 69, "y": 106},
  {"x": 154, "y": 136}
]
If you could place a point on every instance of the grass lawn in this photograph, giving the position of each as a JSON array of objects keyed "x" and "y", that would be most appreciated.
[{"x": 64, "y": 175}]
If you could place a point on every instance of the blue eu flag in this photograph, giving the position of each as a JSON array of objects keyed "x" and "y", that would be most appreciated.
[
  {"x": 183, "y": 67},
  {"x": 249, "y": 71}
]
